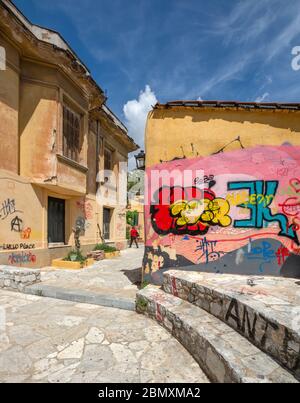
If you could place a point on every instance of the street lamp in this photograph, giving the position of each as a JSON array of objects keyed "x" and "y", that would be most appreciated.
[{"x": 140, "y": 160}]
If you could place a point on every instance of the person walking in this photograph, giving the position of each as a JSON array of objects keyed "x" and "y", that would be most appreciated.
[{"x": 134, "y": 236}]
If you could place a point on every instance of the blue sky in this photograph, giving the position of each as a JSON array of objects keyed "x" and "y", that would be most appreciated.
[{"x": 179, "y": 49}]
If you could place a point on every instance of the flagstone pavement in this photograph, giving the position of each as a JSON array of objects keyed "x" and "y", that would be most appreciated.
[
  {"x": 50, "y": 340},
  {"x": 114, "y": 278}
]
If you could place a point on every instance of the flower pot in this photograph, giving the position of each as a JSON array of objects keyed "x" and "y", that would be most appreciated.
[
  {"x": 69, "y": 265},
  {"x": 112, "y": 255}
]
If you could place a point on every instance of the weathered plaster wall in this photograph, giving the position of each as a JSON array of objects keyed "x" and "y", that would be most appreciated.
[
  {"x": 38, "y": 126},
  {"x": 23, "y": 222},
  {"x": 243, "y": 216},
  {"x": 9, "y": 109},
  {"x": 43, "y": 92},
  {"x": 33, "y": 90}
]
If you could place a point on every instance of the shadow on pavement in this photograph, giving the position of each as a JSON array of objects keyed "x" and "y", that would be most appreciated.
[{"x": 134, "y": 276}]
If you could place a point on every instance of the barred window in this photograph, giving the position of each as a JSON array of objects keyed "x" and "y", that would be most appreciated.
[{"x": 71, "y": 134}]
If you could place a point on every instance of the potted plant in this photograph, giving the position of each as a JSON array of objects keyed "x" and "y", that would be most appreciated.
[
  {"x": 75, "y": 259},
  {"x": 109, "y": 251}
]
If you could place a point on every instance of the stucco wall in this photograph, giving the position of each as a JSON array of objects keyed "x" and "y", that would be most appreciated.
[
  {"x": 33, "y": 91},
  {"x": 21, "y": 219},
  {"x": 242, "y": 214},
  {"x": 9, "y": 109},
  {"x": 23, "y": 223},
  {"x": 38, "y": 126}
]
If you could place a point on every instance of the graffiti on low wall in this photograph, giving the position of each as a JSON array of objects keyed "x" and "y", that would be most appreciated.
[
  {"x": 16, "y": 215},
  {"x": 241, "y": 216},
  {"x": 22, "y": 258}
]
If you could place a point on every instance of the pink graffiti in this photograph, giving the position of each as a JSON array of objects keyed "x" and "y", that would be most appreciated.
[
  {"x": 174, "y": 287},
  {"x": 272, "y": 163},
  {"x": 86, "y": 208},
  {"x": 159, "y": 316},
  {"x": 295, "y": 184},
  {"x": 291, "y": 207},
  {"x": 21, "y": 258}
]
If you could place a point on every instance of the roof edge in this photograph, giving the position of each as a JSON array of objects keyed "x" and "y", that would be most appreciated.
[
  {"x": 51, "y": 37},
  {"x": 230, "y": 104}
]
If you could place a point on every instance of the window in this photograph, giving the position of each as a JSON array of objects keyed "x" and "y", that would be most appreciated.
[
  {"x": 108, "y": 160},
  {"x": 71, "y": 134}
]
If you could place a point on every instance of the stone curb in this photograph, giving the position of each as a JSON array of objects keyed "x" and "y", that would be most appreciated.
[
  {"x": 222, "y": 353},
  {"x": 261, "y": 325},
  {"x": 80, "y": 296}
]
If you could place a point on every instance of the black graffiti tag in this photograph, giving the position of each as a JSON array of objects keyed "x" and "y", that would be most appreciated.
[
  {"x": 8, "y": 208},
  {"x": 244, "y": 325},
  {"x": 17, "y": 224}
]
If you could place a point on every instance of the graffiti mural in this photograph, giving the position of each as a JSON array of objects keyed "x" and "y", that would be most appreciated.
[
  {"x": 260, "y": 212},
  {"x": 193, "y": 213},
  {"x": 242, "y": 216}
]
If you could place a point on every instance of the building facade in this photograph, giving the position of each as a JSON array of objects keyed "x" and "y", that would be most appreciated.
[
  {"x": 135, "y": 207},
  {"x": 59, "y": 140},
  {"x": 223, "y": 189},
  {"x": 135, "y": 216}
]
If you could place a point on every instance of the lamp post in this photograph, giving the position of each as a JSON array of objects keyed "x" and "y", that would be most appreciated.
[{"x": 141, "y": 160}]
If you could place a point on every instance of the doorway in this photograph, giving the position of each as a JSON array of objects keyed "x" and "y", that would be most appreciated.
[
  {"x": 107, "y": 214},
  {"x": 56, "y": 220}
]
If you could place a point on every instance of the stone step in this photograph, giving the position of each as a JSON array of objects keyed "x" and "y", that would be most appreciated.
[
  {"x": 81, "y": 296},
  {"x": 222, "y": 353},
  {"x": 265, "y": 310}
]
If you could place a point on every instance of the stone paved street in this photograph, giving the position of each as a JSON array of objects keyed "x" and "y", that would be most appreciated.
[
  {"x": 114, "y": 277},
  {"x": 49, "y": 340}
]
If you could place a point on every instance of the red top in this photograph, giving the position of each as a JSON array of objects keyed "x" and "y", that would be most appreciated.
[{"x": 134, "y": 233}]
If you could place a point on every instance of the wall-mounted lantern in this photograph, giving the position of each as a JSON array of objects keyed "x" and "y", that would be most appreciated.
[{"x": 141, "y": 160}]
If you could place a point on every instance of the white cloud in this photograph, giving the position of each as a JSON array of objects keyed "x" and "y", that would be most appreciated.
[
  {"x": 136, "y": 112},
  {"x": 262, "y": 97}
]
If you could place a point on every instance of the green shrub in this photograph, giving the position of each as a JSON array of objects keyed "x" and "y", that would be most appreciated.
[
  {"x": 75, "y": 256},
  {"x": 132, "y": 218},
  {"x": 141, "y": 305},
  {"x": 144, "y": 284},
  {"x": 105, "y": 248}
]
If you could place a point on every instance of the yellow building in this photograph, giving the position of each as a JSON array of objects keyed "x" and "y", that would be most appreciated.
[
  {"x": 56, "y": 135},
  {"x": 223, "y": 188}
]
